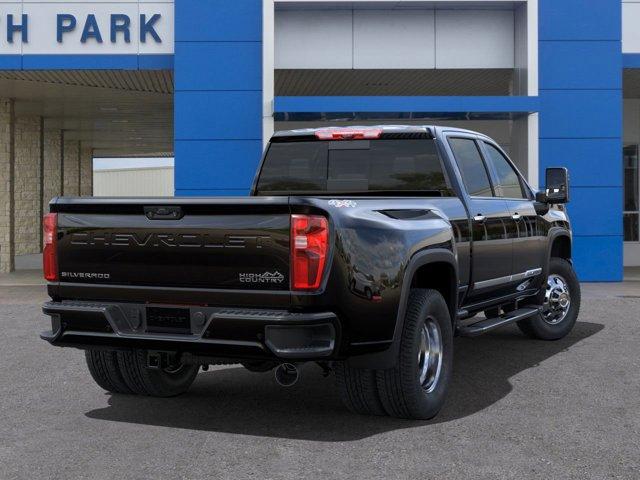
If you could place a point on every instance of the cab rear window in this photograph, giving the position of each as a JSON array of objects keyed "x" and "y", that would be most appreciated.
[{"x": 353, "y": 166}]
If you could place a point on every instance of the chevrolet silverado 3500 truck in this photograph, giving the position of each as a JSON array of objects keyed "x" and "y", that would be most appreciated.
[{"x": 365, "y": 250}]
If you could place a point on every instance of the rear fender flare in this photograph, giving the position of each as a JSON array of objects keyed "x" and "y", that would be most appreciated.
[{"x": 387, "y": 359}]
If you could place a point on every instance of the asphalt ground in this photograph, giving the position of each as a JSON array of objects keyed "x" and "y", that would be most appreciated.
[{"x": 518, "y": 408}]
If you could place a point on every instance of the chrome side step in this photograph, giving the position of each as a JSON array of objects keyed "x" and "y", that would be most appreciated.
[{"x": 488, "y": 324}]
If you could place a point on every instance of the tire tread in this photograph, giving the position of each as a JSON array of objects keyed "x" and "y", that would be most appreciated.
[
  {"x": 104, "y": 369},
  {"x": 397, "y": 385}
]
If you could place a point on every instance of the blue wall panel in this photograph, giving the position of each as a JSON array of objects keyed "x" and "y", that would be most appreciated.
[
  {"x": 86, "y": 62},
  {"x": 10, "y": 62},
  {"x": 237, "y": 192},
  {"x": 218, "y": 96},
  {"x": 580, "y": 19},
  {"x": 213, "y": 115},
  {"x": 590, "y": 210},
  {"x": 581, "y": 114},
  {"x": 80, "y": 62},
  {"x": 580, "y": 69},
  {"x": 631, "y": 60},
  {"x": 588, "y": 159},
  {"x": 206, "y": 165},
  {"x": 580, "y": 64},
  {"x": 598, "y": 258},
  {"x": 219, "y": 66},
  {"x": 218, "y": 20}
]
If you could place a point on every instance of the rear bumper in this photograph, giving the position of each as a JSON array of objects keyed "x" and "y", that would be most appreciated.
[{"x": 210, "y": 331}]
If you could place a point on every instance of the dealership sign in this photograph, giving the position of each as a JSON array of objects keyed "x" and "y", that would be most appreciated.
[{"x": 86, "y": 28}]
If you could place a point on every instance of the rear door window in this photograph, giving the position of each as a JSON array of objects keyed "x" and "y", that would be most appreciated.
[{"x": 472, "y": 167}]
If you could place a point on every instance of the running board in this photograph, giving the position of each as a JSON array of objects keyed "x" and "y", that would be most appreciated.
[{"x": 488, "y": 324}]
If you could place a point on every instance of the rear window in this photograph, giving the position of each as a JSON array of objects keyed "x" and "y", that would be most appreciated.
[{"x": 353, "y": 166}]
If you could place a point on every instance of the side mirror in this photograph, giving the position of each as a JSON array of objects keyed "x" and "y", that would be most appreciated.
[{"x": 557, "y": 185}]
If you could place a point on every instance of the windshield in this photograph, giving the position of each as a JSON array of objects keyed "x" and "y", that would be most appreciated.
[{"x": 353, "y": 166}]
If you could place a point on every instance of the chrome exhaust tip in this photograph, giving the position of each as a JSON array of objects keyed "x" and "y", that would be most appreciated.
[{"x": 286, "y": 374}]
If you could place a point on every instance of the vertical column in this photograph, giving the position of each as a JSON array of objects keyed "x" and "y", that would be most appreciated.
[
  {"x": 86, "y": 171},
  {"x": 218, "y": 96},
  {"x": 27, "y": 185},
  {"x": 6, "y": 186},
  {"x": 71, "y": 172},
  {"x": 52, "y": 166},
  {"x": 268, "y": 69},
  {"x": 41, "y": 190},
  {"x": 580, "y": 61},
  {"x": 61, "y": 162}
]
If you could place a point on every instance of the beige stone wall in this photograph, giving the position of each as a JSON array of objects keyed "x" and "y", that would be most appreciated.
[
  {"x": 71, "y": 170},
  {"x": 5, "y": 198},
  {"x": 22, "y": 198},
  {"x": 86, "y": 171},
  {"x": 52, "y": 152},
  {"x": 27, "y": 185}
]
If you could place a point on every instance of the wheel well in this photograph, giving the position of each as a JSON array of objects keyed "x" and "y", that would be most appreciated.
[
  {"x": 440, "y": 276},
  {"x": 561, "y": 247}
]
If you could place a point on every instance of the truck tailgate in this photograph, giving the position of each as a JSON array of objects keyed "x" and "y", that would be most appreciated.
[{"x": 225, "y": 243}]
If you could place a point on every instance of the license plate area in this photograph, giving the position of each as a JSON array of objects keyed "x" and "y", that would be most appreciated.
[{"x": 168, "y": 320}]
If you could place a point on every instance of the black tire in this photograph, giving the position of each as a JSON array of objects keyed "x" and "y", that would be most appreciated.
[
  {"x": 104, "y": 368},
  {"x": 537, "y": 326},
  {"x": 155, "y": 382},
  {"x": 358, "y": 389},
  {"x": 401, "y": 392}
]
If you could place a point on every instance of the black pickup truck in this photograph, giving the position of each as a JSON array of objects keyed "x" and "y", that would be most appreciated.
[{"x": 364, "y": 250}]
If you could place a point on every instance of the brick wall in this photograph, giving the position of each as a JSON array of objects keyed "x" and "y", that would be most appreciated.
[
  {"x": 27, "y": 185},
  {"x": 5, "y": 200},
  {"x": 86, "y": 171}
]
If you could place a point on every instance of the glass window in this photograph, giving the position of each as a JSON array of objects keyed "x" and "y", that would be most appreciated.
[
  {"x": 631, "y": 227},
  {"x": 509, "y": 185},
  {"x": 356, "y": 166},
  {"x": 472, "y": 168},
  {"x": 631, "y": 193}
]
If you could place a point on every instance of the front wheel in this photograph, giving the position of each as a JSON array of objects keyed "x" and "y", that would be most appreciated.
[
  {"x": 561, "y": 304},
  {"x": 417, "y": 386}
]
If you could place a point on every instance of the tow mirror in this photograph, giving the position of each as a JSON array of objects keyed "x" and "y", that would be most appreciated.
[{"x": 557, "y": 186}]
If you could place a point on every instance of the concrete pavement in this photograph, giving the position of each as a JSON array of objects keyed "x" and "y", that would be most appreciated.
[{"x": 517, "y": 409}]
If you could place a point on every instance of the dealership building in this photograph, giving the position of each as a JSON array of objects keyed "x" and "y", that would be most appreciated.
[{"x": 556, "y": 82}]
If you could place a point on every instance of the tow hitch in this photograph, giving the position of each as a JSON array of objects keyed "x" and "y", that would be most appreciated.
[{"x": 161, "y": 360}]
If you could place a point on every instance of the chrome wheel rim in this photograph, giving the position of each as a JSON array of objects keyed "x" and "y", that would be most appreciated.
[
  {"x": 429, "y": 355},
  {"x": 557, "y": 300}
]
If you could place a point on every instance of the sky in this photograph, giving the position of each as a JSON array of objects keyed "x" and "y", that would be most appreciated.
[{"x": 108, "y": 163}]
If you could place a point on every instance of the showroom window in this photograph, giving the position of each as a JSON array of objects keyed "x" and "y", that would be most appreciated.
[{"x": 631, "y": 194}]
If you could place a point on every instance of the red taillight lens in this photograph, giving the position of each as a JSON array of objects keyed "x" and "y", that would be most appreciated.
[
  {"x": 309, "y": 247},
  {"x": 349, "y": 134},
  {"x": 50, "y": 252}
]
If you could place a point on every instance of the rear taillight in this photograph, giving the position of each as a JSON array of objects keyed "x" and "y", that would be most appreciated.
[
  {"x": 50, "y": 252},
  {"x": 349, "y": 134},
  {"x": 309, "y": 247}
]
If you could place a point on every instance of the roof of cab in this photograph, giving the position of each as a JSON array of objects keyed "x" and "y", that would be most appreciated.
[{"x": 431, "y": 129}]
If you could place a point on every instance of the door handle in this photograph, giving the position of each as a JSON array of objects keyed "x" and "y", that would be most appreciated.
[
  {"x": 479, "y": 218},
  {"x": 516, "y": 216}
]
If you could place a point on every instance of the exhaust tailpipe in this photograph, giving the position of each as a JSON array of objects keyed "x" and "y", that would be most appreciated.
[{"x": 286, "y": 374}]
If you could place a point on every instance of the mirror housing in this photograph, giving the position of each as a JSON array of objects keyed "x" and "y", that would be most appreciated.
[{"x": 557, "y": 186}]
